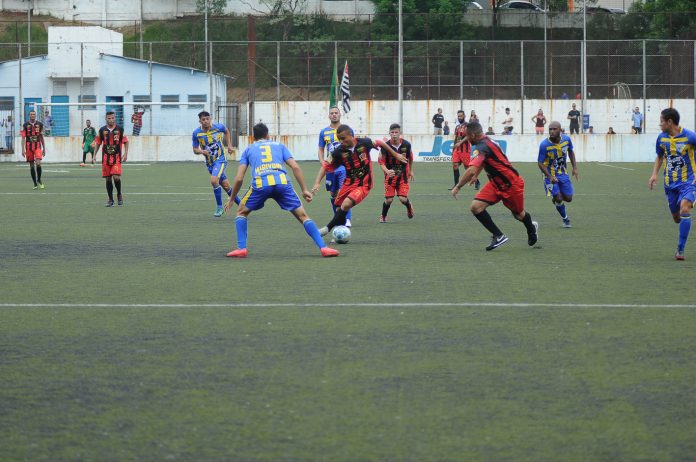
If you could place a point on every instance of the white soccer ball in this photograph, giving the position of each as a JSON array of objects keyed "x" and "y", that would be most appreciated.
[{"x": 341, "y": 234}]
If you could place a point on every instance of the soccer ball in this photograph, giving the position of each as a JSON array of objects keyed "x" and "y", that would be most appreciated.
[{"x": 341, "y": 234}]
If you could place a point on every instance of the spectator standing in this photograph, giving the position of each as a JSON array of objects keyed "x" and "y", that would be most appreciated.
[
  {"x": 9, "y": 132},
  {"x": 574, "y": 117},
  {"x": 438, "y": 120},
  {"x": 137, "y": 120},
  {"x": 507, "y": 122},
  {"x": 539, "y": 120},
  {"x": 445, "y": 129},
  {"x": 48, "y": 124},
  {"x": 473, "y": 117},
  {"x": 637, "y": 119},
  {"x": 611, "y": 131},
  {"x": 490, "y": 131}
]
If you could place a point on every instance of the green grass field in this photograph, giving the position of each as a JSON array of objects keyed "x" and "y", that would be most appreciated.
[{"x": 125, "y": 333}]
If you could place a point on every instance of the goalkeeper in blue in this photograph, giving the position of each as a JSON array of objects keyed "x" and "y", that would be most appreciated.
[
  {"x": 675, "y": 148},
  {"x": 553, "y": 154},
  {"x": 269, "y": 180},
  {"x": 208, "y": 142}
]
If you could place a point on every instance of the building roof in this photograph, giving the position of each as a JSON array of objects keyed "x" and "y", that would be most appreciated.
[{"x": 192, "y": 69}]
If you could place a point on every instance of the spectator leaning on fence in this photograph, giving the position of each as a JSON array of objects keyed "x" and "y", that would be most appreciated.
[{"x": 438, "y": 119}]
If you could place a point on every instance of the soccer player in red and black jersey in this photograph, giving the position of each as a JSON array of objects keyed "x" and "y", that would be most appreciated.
[
  {"x": 396, "y": 174},
  {"x": 114, "y": 152},
  {"x": 461, "y": 151},
  {"x": 33, "y": 147},
  {"x": 354, "y": 154},
  {"x": 504, "y": 184}
]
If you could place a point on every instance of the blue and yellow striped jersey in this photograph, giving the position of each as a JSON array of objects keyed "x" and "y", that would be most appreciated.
[
  {"x": 266, "y": 160},
  {"x": 678, "y": 154},
  {"x": 327, "y": 136},
  {"x": 553, "y": 155},
  {"x": 212, "y": 141}
]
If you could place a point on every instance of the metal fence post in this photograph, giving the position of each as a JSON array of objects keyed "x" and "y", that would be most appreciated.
[
  {"x": 645, "y": 86},
  {"x": 522, "y": 87},
  {"x": 278, "y": 88},
  {"x": 461, "y": 74},
  {"x": 149, "y": 72}
]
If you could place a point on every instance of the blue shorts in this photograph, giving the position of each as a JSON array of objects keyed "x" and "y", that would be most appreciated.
[
  {"x": 218, "y": 169},
  {"x": 283, "y": 194},
  {"x": 564, "y": 186},
  {"x": 335, "y": 180},
  {"x": 677, "y": 193}
]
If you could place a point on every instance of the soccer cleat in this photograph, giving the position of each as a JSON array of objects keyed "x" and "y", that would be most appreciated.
[
  {"x": 382, "y": 219},
  {"x": 238, "y": 253},
  {"x": 497, "y": 241},
  {"x": 348, "y": 223},
  {"x": 566, "y": 223},
  {"x": 409, "y": 211},
  {"x": 329, "y": 252},
  {"x": 451, "y": 187},
  {"x": 533, "y": 237},
  {"x": 83, "y": 164},
  {"x": 218, "y": 212},
  {"x": 324, "y": 231},
  {"x": 109, "y": 203},
  {"x": 120, "y": 199},
  {"x": 41, "y": 186},
  {"x": 36, "y": 186},
  {"x": 679, "y": 255},
  {"x": 477, "y": 186}
]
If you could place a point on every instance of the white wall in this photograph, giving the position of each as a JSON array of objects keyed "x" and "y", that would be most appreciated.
[
  {"x": 64, "y": 50},
  {"x": 519, "y": 148}
]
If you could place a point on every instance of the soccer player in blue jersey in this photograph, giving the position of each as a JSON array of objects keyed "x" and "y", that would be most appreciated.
[
  {"x": 675, "y": 147},
  {"x": 552, "y": 163},
  {"x": 327, "y": 143},
  {"x": 208, "y": 142},
  {"x": 269, "y": 180}
]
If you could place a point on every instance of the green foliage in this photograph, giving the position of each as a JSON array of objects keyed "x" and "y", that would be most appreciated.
[
  {"x": 215, "y": 7},
  {"x": 663, "y": 19},
  {"x": 422, "y": 20}
]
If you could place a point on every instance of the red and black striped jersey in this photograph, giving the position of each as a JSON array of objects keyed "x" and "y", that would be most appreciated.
[
  {"x": 356, "y": 160},
  {"x": 487, "y": 153},
  {"x": 32, "y": 133},
  {"x": 401, "y": 170},
  {"x": 112, "y": 140},
  {"x": 459, "y": 132}
]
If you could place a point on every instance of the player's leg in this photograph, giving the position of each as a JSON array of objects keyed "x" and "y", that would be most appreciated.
[
  {"x": 117, "y": 183},
  {"x": 339, "y": 179},
  {"x": 32, "y": 169},
  {"x": 228, "y": 187},
  {"x": 313, "y": 232},
  {"x": 109, "y": 191},
  {"x": 565, "y": 193},
  {"x": 240, "y": 224},
  {"x": 687, "y": 198},
  {"x": 37, "y": 163},
  {"x": 84, "y": 156},
  {"x": 403, "y": 197},
  {"x": 513, "y": 199},
  {"x": 216, "y": 171},
  {"x": 478, "y": 209},
  {"x": 455, "y": 171},
  {"x": 389, "y": 193},
  {"x": 332, "y": 190}
]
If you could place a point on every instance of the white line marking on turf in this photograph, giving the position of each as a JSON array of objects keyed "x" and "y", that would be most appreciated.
[
  {"x": 99, "y": 193},
  {"x": 337, "y": 305},
  {"x": 616, "y": 166}
]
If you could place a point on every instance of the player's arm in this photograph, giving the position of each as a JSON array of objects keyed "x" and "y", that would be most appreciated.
[
  {"x": 297, "y": 172},
  {"x": 381, "y": 144},
  {"x": 382, "y": 161},
  {"x": 236, "y": 186},
  {"x": 24, "y": 143},
  {"x": 469, "y": 177},
  {"x": 124, "y": 151},
  {"x": 656, "y": 169},
  {"x": 41, "y": 138},
  {"x": 320, "y": 175},
  {"x": 320, "y": 154},
  {"x": 411, "y": 176},
  {"x": 571, "y": 156},
  {"x": 228, "y": 140}
]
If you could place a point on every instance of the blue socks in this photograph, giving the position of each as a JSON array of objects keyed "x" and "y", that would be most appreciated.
[
  {"x": 241, "y": 224},
  {"x": 218, "y": 195},
  {"x": 229, "y": 193},
  {"x": 684, "y": 228},
  {"x": 561, "y": 209},
  {"x": 312, "y": 230}
]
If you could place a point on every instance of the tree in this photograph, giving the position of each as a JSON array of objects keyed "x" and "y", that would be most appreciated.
[
  {"x": 286, "y": 13},
  {"x": 663, "y": 19},
  {"x": 215, "y": 7},
  {"x": 422, "y": 20}
]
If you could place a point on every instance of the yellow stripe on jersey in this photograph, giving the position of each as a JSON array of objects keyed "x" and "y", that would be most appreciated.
[
  {"x": 283, "y": 179},
  {"x": 259, "y": 183},
  {"x": 270, "y": 179},
  {"x": 246, "y": 196}
]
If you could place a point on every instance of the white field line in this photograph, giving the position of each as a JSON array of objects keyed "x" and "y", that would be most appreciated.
[
  {"x": 616, "y": 166},
  {"x": 340, "y": 305},
  {"x": 33, "y": 193}
]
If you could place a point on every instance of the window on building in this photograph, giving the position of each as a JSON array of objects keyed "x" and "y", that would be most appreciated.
[
  {"x": 197, "y": 101},
  {"x": 87, "y": 99},
  {"x": 142, "y": 99},
  {"x": 170, "y": 99},
  {"x": 60, "y": 87}
]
